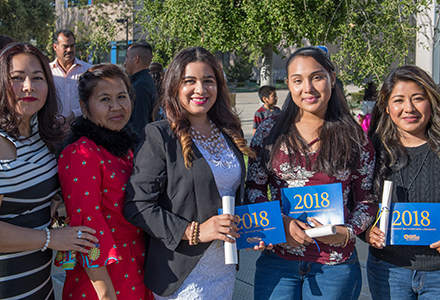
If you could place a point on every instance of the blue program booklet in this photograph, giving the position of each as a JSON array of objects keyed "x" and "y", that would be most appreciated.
[
  {"x": 259, "y": 222},
  {"x": 323, "y": 202},
  {"x": 414, "y": 224}
]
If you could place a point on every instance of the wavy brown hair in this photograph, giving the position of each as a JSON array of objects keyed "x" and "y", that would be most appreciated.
[
  {"x": 220, "y": 113},
  {"x": 340, "y": 135},
  {"x": 10, "y": 118},
  {"x": 385, "y": 135}
]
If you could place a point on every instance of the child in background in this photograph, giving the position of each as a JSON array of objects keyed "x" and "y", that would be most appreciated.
[
  {"x": 368, "y": 104},
  {"x": 268, "y": 95}
]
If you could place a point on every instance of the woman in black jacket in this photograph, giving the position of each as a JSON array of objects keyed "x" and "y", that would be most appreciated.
[{"x": 182, "y": 168}]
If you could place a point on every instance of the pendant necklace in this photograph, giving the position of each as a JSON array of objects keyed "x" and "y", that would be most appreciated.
[{"x": 406, "y": 189}]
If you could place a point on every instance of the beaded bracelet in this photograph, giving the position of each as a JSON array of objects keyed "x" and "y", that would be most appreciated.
[
  {"x": 47, "y": 239},
  {"x": 194, "y": 238},
  {"x": 195, "y": 235},
  {"x": 191, "y": 230}
]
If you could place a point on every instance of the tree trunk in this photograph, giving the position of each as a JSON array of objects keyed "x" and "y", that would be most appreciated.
[{"x": 266, "y": 72}]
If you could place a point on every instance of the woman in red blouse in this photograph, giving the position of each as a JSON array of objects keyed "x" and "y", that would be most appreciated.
[
  {"x": 94, "y": 170},
  {"x": 314, "y": 141}
]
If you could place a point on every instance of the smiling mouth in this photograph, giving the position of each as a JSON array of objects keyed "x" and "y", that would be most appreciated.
[
  {"x": 117, "y": 118},
  {"x": 411, "y": 119},
  {"x": 199, "y": 100},
  {"x": 310, "y": 99},
  {"x": 28, "y": 99}
]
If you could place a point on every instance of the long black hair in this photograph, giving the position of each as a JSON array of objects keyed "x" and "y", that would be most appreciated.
[{"x": 340, "y": 136}]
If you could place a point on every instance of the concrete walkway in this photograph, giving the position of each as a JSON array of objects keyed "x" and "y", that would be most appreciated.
[{"x": 246, "y": 105}]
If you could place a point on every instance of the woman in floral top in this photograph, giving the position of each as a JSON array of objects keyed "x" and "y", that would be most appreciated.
[{"x": 314, "y": 141}]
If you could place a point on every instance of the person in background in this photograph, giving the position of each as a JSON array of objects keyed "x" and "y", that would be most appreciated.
[
  {"x": 5, "y": 40},
  {"x": 268, "y": 95},
  {"x": 313, "y": 141},
  {"x": 137, "y": 65},
  {"x": 405, "y": 130},
  {"x": 66, "y": 69},
  {"x": 29, "y": 136},
  {"x": 183, "y": 167},
  {"x": 157, "y": 73},
  {"x": 368, "y": 104},
  {"x": 94, "y": 170}
]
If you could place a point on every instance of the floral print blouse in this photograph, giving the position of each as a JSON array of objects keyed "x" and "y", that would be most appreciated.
[{"x": 284, "y": 175}]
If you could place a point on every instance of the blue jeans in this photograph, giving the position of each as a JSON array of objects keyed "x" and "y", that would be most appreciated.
[
  {"x": 387, "y": 281},
  {"x": 280, "y": 279}
]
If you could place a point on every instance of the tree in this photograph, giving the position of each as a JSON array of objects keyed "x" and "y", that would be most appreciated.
[
  {"x": 28, "y": 20},
  {"x": 256, "y": 26},
  {"x": 96, "y": 25},
  {"x": 371, "y": 34},
  {"x": 376, "y": 35}
]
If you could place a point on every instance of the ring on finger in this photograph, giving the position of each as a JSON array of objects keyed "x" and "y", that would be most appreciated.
[{"x": 80, "y": 234}]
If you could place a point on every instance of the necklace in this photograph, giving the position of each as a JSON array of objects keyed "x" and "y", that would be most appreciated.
[
  {"x": 214, "y": 144},
  {"x": 406, "y": 189}
]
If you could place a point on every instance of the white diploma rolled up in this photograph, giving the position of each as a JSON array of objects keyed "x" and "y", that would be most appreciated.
[
  {"x": 321, "y": 231},
  {"x": 386, "y": 207},
  {"x": 228, "y": 203}
]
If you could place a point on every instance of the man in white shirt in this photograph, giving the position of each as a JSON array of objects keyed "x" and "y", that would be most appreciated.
[{"x": 66, "y": 70}]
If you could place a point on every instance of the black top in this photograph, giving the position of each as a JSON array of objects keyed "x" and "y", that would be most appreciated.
[
  {"x": 163, "y": 196},
  {"x": 425, "y": 188},
  {"x": 146, "y": 93}
]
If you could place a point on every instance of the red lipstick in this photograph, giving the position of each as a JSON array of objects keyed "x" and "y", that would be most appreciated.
[{"x": 29, "y": 99}]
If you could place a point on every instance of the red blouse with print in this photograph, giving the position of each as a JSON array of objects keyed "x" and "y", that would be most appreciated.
[
  {"x": 284, "y": 175},
  {"x": 93, "y": 185}
]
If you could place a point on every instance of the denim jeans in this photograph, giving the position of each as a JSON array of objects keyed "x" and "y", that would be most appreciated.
[
  {"x": 280, "y": 279},
  {"x": 387, "y": 281}
]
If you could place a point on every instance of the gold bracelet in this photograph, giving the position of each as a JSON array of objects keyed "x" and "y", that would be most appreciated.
[
  {"x": 195, "y": 234},
  {"x": 191, "y": 230},
  {"x": 346, "y": 239}
]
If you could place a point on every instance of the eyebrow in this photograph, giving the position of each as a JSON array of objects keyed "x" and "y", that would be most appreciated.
[
  {"x": 193, "y": 77},
  {"x": 22, "y": 72},
  {"x": 107, "y": 94},
  {"x": 416, "y": 94},
  {"x": 313, "y": 73}
]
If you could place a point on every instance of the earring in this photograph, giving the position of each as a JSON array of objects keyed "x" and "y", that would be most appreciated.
[{"x": 84, "y": 117}]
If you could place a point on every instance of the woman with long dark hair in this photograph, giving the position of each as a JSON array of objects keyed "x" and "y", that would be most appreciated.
[
  {"x": 182, "y": 168},
  {"x": 405, "y": 130},
  {"x": 314, "y": 141},
  {"x": 29, "y": 136}
]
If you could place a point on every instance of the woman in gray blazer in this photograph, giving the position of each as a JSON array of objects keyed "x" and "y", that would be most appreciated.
[{"x": 182, "y": 168}]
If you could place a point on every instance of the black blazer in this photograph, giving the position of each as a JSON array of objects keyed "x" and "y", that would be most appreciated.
[{"x": 163, "y": 197}]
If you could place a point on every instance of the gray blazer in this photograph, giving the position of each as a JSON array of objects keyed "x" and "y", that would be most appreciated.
[{"x": 163, "y": 197}]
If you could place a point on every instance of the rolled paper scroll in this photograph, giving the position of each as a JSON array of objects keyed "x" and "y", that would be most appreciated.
[
  {"x": 321, "y": 231},
  {"x": 386, "y": 206},
  {"x": 231, "y": 257}
]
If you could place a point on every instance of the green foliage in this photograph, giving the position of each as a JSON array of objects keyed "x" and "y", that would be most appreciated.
[
  {"x": 371, "y": 34},
  {"x": 241, "y": 69},
  {"x": 236, "y": 25},
  {"x": 357, "y": 97},
  {"x": 376, "y": 34},
  {"x": 28, "y": 20},
  {"x": 95, "y": 25}
]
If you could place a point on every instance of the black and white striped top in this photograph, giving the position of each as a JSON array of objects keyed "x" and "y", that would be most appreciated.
[{"x": 27, "y": 184}]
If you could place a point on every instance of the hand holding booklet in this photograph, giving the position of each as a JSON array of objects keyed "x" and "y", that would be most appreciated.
[
  {"x": 322, "y": 202},
  {"x": 259, "y": 222}
]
